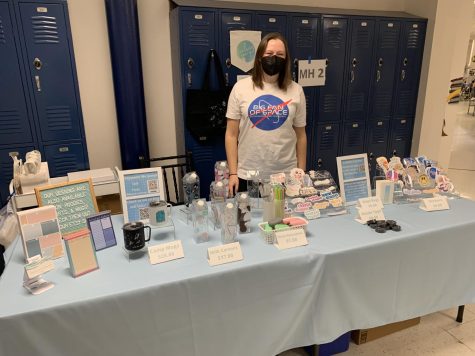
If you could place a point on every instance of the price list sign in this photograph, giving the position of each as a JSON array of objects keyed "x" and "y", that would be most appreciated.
[{"x": 353, "y": 175}]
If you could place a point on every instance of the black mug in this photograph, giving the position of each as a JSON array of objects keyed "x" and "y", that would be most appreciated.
[{"x": 134, "y": 235}]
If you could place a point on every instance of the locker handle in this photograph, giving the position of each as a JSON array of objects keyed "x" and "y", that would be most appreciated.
[
  {"x": 352, "y": 76},
  {"x": 37, "y": 63},
  {"x": 188, "y": 79},
  {"x": 403, "y": 75},
  {"x": 226, "y": 79},
  {"x": 378, "y": 75},
  {"x": 38, "y": 83}
]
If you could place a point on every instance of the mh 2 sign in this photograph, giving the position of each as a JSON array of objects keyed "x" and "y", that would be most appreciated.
[{"x": 312, "y": 72}]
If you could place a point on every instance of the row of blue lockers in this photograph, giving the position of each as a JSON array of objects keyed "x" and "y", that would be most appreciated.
[{"x": 373, "y": 67}]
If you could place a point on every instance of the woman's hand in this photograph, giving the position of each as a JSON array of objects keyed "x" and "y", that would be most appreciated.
[{"x": 233, "y": 185}]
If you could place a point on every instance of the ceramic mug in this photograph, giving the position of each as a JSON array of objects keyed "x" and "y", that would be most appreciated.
[
  {"x": 134, "y": 235},
  {"x": 159, "y": 213}
]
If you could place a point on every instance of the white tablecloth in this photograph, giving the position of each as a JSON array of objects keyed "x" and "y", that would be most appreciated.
[{"x": 348, "y": 277}]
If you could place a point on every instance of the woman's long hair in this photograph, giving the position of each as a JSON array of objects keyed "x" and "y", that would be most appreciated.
[{"x": 285, "y": 77}]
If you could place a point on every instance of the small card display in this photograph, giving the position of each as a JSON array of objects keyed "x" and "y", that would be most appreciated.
[
  {"x": 81, "y": 253},
  {"x": 40, "y": 232},
  {"x": 227, "y": 253},
  {"x": 102, "y": 231}
]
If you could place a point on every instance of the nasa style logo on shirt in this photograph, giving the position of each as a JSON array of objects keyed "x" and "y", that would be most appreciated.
[{"x": 268, "y": 112}]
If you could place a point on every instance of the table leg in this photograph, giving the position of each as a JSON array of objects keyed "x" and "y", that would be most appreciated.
[{"x": 460, "y": 313}]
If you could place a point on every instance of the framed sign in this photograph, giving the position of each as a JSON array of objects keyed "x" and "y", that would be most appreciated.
[
  {"x": 353, "y": 175},
  {"x": 138, "y": 187},
  {"x": 74, "y": 201}
]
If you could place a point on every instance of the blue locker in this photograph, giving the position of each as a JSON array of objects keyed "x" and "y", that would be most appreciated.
[
  {"x": 353, "y": 138},
  {"x": 333, "y": 49},
  {"x": 6, "y": 168},
  {"x": 48, "y": 56},
  {"x": 303, "y": 45},
  {"x": 198, "y": 31},
  {"x": 401, "y": 138},
  {"x": 385, "y": 61},
  {"x": 15, "y": 118},
  {"x": 271, "y": 22},
  {"x": 232, "y": 21},
  {"x": 64, "y": 158},
  {"x": 359, "y": 62},
  {"x": 409, "y": 69},
  {"x": 377, "y": 134},
  {"x": 326, "y": 147}
]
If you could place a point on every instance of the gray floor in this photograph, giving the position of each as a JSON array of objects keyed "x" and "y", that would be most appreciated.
[{"x": 438, "y": 333}]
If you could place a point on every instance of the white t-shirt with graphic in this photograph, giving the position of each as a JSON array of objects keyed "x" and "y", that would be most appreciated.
[{"x": 266, "y": 139}]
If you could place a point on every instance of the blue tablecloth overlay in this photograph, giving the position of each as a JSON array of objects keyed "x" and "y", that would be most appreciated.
[{"x": 347, "y": 277}]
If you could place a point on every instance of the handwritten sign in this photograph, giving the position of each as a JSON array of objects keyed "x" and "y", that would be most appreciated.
[
  {"x": 165, "y": 252},
  {"x": 434, "y": 204},
  {"x": 74, "y": 201},
  {"x": 290, "y": 238},
  {"x": 219, "y": 255}
]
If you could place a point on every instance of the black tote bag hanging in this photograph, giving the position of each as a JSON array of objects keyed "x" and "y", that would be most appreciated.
[{"x": 206, "y": 108}]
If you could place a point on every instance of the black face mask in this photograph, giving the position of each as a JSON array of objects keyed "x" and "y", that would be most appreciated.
[{"x": 272, "y": 64}]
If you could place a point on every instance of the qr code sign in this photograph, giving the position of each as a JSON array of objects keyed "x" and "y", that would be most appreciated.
[
  {"x": 143, "y": 213},
  {"x": 152, "y": 186}
]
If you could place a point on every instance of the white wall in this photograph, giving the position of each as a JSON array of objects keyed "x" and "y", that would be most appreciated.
[
  {"x": 91, "y": 47},
  {"x": 89, "y": 27},
  {"x": 444, "y": 56}
]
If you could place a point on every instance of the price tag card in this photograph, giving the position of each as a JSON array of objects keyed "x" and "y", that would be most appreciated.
[
  {"x": 434, "y": 204},
  {"x": 290, "y": 238},
  {"x": 38, "y": 267},
  {"x": 222, "y": 254},
  {"x": 370, "y": 203},
  {"x": 365, "y": 214},
  {"x": 165, "y": 252}
]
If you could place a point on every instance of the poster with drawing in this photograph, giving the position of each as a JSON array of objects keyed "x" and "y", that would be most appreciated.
[{"x": 243, "y": 46}]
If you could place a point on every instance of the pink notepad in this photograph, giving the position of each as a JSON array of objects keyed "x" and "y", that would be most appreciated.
[{"x": 81, "y": 252}]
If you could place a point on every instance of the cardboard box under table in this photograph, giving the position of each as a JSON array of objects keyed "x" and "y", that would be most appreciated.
[{"x": 365, "y": 335}]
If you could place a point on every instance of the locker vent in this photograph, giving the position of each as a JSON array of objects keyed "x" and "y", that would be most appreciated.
[
  {"x": 202, "y": 154},
  {"x": 2, "y": 32},
  {"x": 305, "y": 38},
  {"x": 378, "y": 134},
  {"x": 335, "y": 37},
  {"x": 58, "y": 118},
  {"x": 10, "y": 122},
  {"x": 327, "y": 140},
  {"x": 64, "y": 163},
  {"x": 382, "y": 102},
  {"x": 45, "y": 29},
  {"x": 329, "y": 103},
  {"x": 414, "y": 38},
  {"x": 199, "y": 34},
  {"x": 363, "y": 37},
  {"x": 354, "y": 137},
  {"x": 404, "y": 101},
  {"x": 357, "y": 102},
  {"x": 390, "y": 38},
  {"x": 400, "y": 132},
  {"x": 7, "y": 171}
]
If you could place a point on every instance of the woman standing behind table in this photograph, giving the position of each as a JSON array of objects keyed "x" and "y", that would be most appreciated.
[{"x": 266, "y": 117}]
